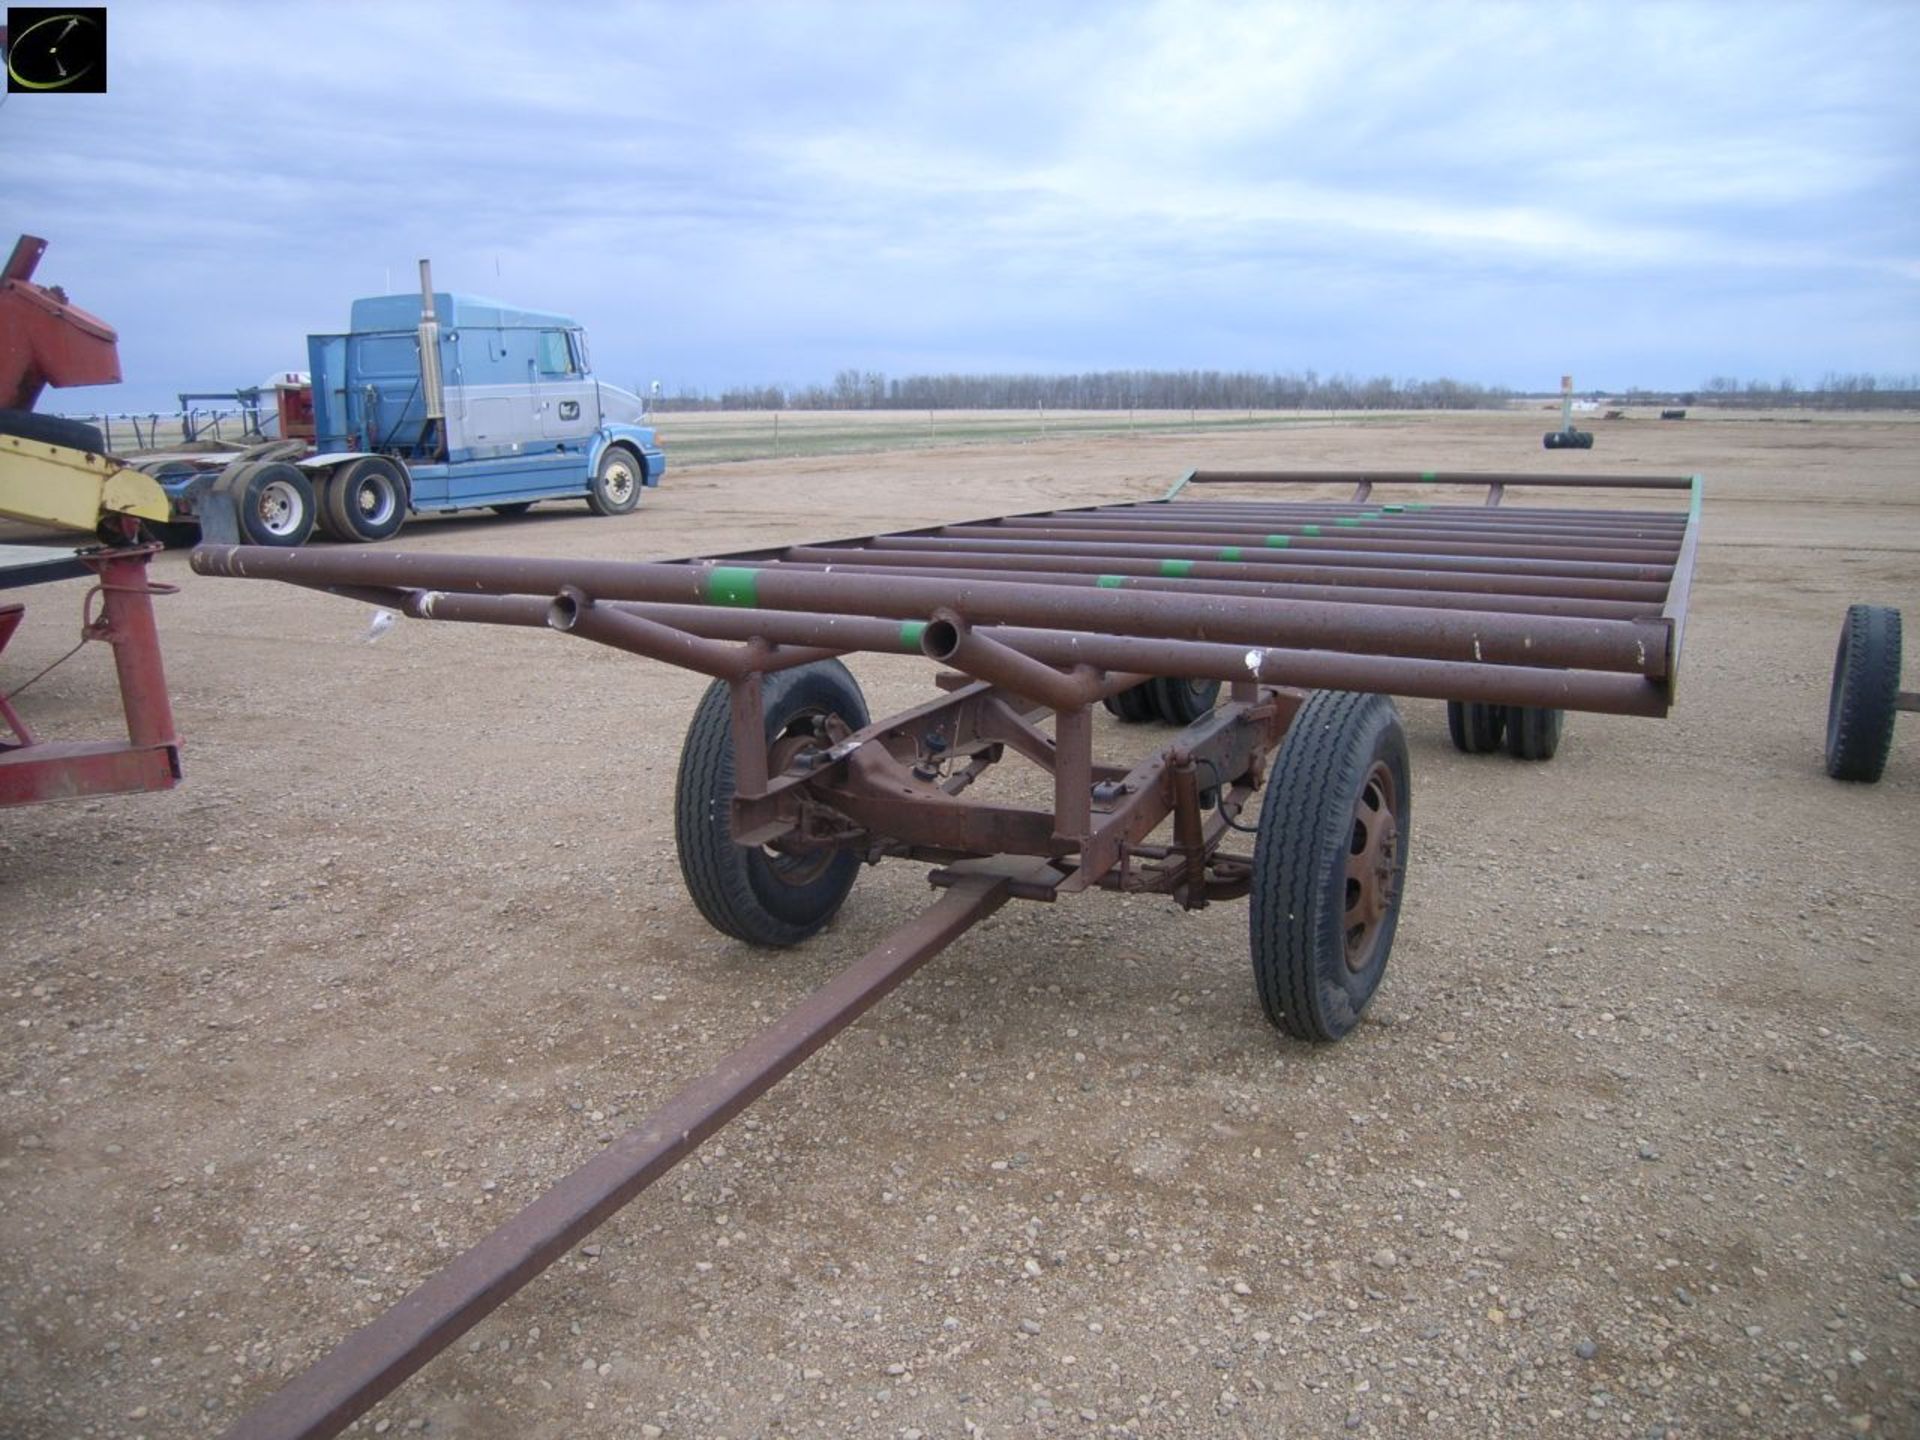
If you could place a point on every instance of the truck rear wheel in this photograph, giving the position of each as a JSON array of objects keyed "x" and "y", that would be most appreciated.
[
  {"x": 366, "y": 500},
  {"x": 754, "y": 893},
  {"x": 1329, "y": 863},
  {"x": 273, "y": 502},
  {"x": 615, "y": 488}
]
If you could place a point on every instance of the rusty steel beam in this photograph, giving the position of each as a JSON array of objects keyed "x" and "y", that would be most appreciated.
[
  {"x": 348, "y": 1381},
  {"x": 572, "y": 612},
  {"x": 1403, "y": 545},
  {"x": 1198, "y": 660},
  {"x": 1183, "y": 549},
  {"x": 1438, "y": 477},
  {"x": 1268, "y": 568},
  {"x": 1418, "y": 512},
  {"x": 1631, "y": 646},
  {"x": 1225, "y": 578}
]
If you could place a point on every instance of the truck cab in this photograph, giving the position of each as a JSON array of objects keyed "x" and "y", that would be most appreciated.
[
  {"x": 521, "y": 416},
  {"x": 437, "y": 401}
]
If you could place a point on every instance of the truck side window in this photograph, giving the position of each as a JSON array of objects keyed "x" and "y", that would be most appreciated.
[{"x": 555, "y": 358}]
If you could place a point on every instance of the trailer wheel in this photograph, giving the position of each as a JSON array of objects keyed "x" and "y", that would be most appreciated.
[
  {"x": 1533, "y": 733},
  {"x": 1865, "y": 694},
  {"x": 1329, "y": 864},
  {"x": 1132, "y": 706},
  {"x": 760, "y": 895},
  {"x": 53, "y": 430},
  {"x": 366, "y": 500},
  {"x": 1476, "y": 728},
  {"x": 616, "y": 482},
  {"x": 1554, "y": 439},
  {"x": 273, "y": 502},
  {"x": 1181, "y": 702}
]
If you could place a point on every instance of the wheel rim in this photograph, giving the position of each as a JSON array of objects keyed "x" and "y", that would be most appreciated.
[
  {"x": 618, "y": 482},
  {"x": 373, "y": 501},
  {"x": 795, "y": 867},
  {"x": 1373, "y": 865},
  {"x": 280, "y": 509}
]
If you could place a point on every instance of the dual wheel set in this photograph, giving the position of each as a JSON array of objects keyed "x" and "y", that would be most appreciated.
[
  {"x": 1526, "y": 732},
  {"x": 279, "y": 503},
  {"x": 1328, "y": 867}
]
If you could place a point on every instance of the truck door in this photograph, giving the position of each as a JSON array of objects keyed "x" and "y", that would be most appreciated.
[{"x": 565, "y": 396}]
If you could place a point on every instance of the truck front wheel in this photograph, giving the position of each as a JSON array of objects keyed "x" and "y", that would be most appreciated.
[{"x": 615, "y": 489}]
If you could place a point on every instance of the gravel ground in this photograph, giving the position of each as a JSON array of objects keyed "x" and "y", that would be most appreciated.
[{"x": 1627, "y": 1147}]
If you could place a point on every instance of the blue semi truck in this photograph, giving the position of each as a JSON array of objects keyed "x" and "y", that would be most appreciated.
[{"x": 427, "y": 403}]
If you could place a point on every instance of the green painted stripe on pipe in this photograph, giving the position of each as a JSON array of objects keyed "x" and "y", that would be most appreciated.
[
  {"x": 1279, "y": 542},
  {"x": 1174, "y": 569},
  {"x": 910, "y": 633},
  {"x": 1111, "y": 582},
  {"x": 1232, "y": 552},
  {"x": 736, "y": 585}
]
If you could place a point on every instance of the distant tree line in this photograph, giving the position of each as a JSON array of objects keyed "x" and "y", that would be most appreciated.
[
  {"x": 1833, "y": 392},
  {"x": 1101, "y": 390}
]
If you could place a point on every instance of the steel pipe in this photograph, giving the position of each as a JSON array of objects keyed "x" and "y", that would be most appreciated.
[
  {"x": 1632, "y": 646},
  {"x": 344, "y": 1384},
  {"x": 949, "y": 639},
  {"x": 1221, "y": 578},
  {"x": 1333, "y": 559}
]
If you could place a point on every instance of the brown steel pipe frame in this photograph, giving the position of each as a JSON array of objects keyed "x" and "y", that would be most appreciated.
[
  {"x": 1024, "y": 640},
  {"x": 1631, "y": 646}
]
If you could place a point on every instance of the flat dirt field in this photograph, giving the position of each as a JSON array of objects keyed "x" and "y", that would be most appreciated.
[{"x": 1627, "y": 1147}]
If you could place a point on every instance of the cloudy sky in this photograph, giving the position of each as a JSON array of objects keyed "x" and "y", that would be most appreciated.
[{"x": 733, "y": 193}]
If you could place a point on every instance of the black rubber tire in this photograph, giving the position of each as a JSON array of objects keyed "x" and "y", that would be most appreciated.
[
  {"x": 1553, "y": 440},
  {"x": 53, "y": 429},
  {"x": 1134, "y": 706},
  {"x": 366, "y": 500},
  {"x": 1581, "y": 440},
  {"x": 1297, "y": 917},
  {"x": 1476, "y": 728},
  {"x": 1533, "y": 733},
  {"x": 1865, "y": 695},
  {"x": 1181, "y": 702},
  {"x": 743, "y": 891},
  {"x": 273, "y": 501},
  {"x": 519, "y": 507},
  {"x": 325, "y": 507},
  {"x": 617, "y": 481}
]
